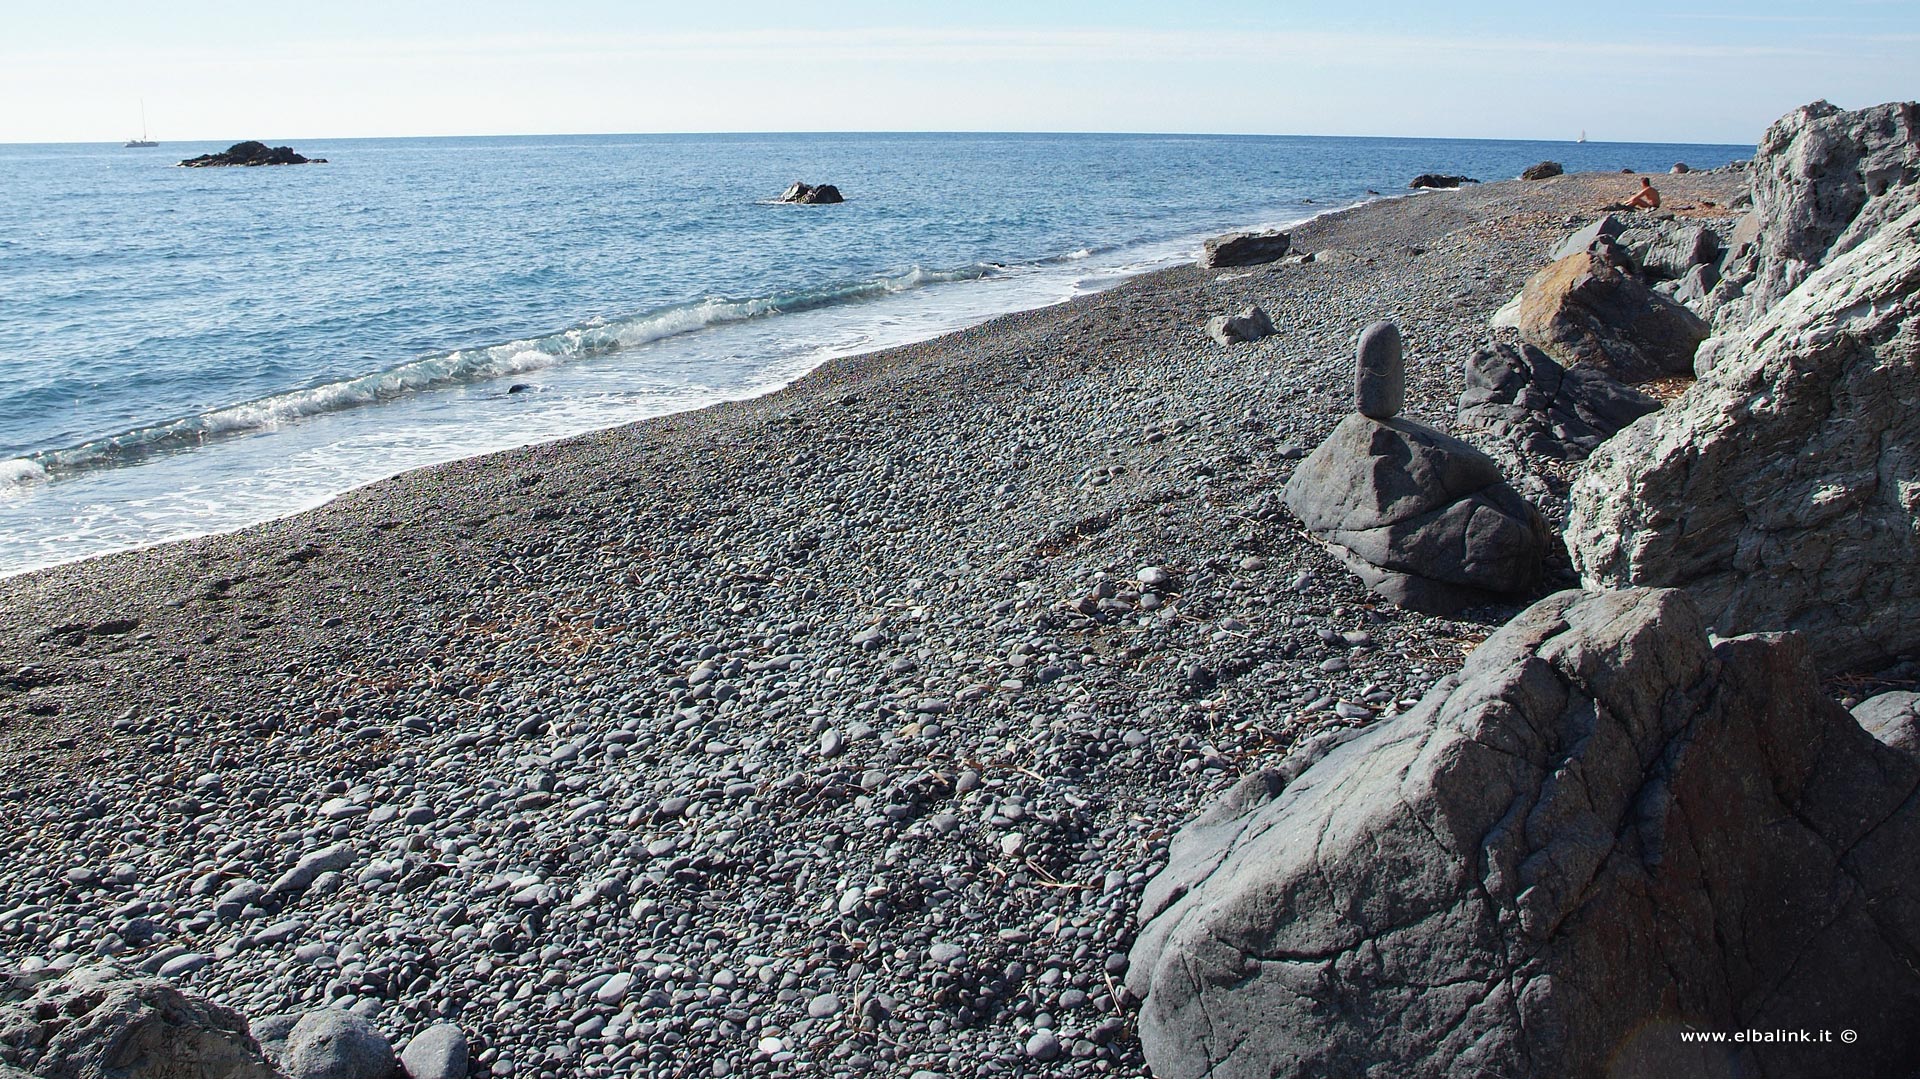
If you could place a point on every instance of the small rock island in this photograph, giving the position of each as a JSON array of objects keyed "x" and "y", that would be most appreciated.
[
  {"x": 811, "y": 194},
  {"x": 251, "y": 152}
]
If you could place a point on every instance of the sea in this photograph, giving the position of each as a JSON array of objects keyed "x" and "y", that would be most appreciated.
[{"x": 190, "y": 351}]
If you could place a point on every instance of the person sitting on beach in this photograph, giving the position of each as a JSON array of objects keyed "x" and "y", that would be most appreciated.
[{"x": 1646, "y": 198}]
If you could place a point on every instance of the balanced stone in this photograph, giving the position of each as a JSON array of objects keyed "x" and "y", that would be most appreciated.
[{"x": 1381, "y": 385}]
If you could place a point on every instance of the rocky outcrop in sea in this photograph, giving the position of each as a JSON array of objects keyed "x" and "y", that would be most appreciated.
[{"x": 251, "y": 153}]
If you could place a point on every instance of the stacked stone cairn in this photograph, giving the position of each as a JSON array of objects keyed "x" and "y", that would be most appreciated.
[{"x": 1427, "y": 521}]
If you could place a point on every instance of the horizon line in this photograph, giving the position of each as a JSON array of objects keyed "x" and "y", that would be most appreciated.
[{"x": 113, "y": 142}]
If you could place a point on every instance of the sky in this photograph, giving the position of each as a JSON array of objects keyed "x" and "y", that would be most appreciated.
[{"x": 1685, "y": 71}]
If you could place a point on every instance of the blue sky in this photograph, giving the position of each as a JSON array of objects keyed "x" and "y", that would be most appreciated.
[{"x": 1682, "y": 72}]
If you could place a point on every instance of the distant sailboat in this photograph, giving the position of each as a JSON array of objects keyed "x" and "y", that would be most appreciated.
[
  {"x": 142, "y": 140},
  {"x": 1583, "y": 136}
]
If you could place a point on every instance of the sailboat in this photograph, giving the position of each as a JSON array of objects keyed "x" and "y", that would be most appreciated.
[
  {"x": 1583, "y": 136},
  {"x": 142, "y": 140}
]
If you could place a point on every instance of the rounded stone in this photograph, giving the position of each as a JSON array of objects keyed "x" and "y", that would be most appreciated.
[
  {"x": 1381, "y": 378},
  {"x": 333, "y": 1043}
]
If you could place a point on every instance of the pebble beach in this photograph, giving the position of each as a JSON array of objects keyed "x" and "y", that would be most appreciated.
[{"x": 830, "y": 732}]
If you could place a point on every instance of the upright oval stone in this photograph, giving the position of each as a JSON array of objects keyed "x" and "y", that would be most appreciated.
[{"x": 1381, "y": 386}]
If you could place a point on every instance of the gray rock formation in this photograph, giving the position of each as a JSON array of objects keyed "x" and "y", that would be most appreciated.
[
  {"x": 1604, "y": 831},
  {"x": 1823, "y": 180},
  {"x": 336, "y": 1043},
  {"x": 1783, "y": 489},
  {"x": 1245, "y": 249},
  {"x": 1380, "y": 377},
  {"x": 1424, "y": 519},
  {"x": 1607, "y": 227},
  {"x": 1668, "y": 250},
  {"x": 438, "y": 1052},
  {"x": 1591, "y": 308},
  {"x": 105, "y": 1021},
  {"x": 1251, "y": 324},
  {"x": 1542, "y": 171},
  {"x": 1519, "y": 394}
]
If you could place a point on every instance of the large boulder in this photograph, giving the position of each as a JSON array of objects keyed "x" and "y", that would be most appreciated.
[
  {"x": 1245, "y": 249},
  {"x": 1782, "y": 490},
  {"x": 1425, "y": 520},
  {"x": 336, "y": 1043},
  {"x": 105, "y": 1021},
  {"x": 1519, "y": 394},
  {"x": 1823, "y": 180},
  {"x": 1590, "y": 308},
  {"x": 1604, "y": 833},
  {"x": 1542, "y": 171}
]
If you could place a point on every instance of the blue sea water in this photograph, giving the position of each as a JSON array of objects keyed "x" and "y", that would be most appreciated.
[{"x": 195, "y": 350}]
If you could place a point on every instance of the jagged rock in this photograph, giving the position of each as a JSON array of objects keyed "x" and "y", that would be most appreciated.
[
  {"x": 1604, "y": 831},
  {"x": 1245, "y": 249},
  {"x": 1669, "y": 250},
  {"x": 1823, "y": 180},
  {"x": 439, "y": 1051},
  {"x": 1783, "y": 489},
  {"x": 336, "y": 1043},
  {"x": 1607, "y": 227},
  {"x": 1424, "y": 519},
  {"x": 1440, "y": 180},
  {"x": 1588, "y": 309},
  {"x": 811, "y": 194},
  {"x": 105, "y": 1021},
  {"x": 1542, "y": 171},
  {"x": 1692, "y": 289},
  {"x": 1251, "y": 324},
  {"x": 1519, "y": 394},
  {"x": 251, "y": 153}
]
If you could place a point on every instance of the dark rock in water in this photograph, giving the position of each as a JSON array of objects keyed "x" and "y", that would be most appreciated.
[
  {"x": 1245, "y": 249},
  {"x": 1520, "y": 394},
  {"x": 1605, "y": 832},
  {"x": 519, "y": 388},
  {"x": 1590, "y": 308},
  {"x": 1424, "y": 519},
  {"x": 104, "y": 1021},
  {"x": 1440, "y": 180},
  {"x": 1542, "y": 171},
  {"x": 252, "y": 153},
  {"x": 811, "y": 194},
  {"x": 1782, "y": 490},
  {"x": 1680, "y": 167},
  {"x": 337, "y": 1043},
  {"x": 1823, "y": 180},
  {"x": 1251, "y": 324}
]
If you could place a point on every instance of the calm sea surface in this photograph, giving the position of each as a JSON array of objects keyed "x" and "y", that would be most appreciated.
[{"x": 185, "y": 351}]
